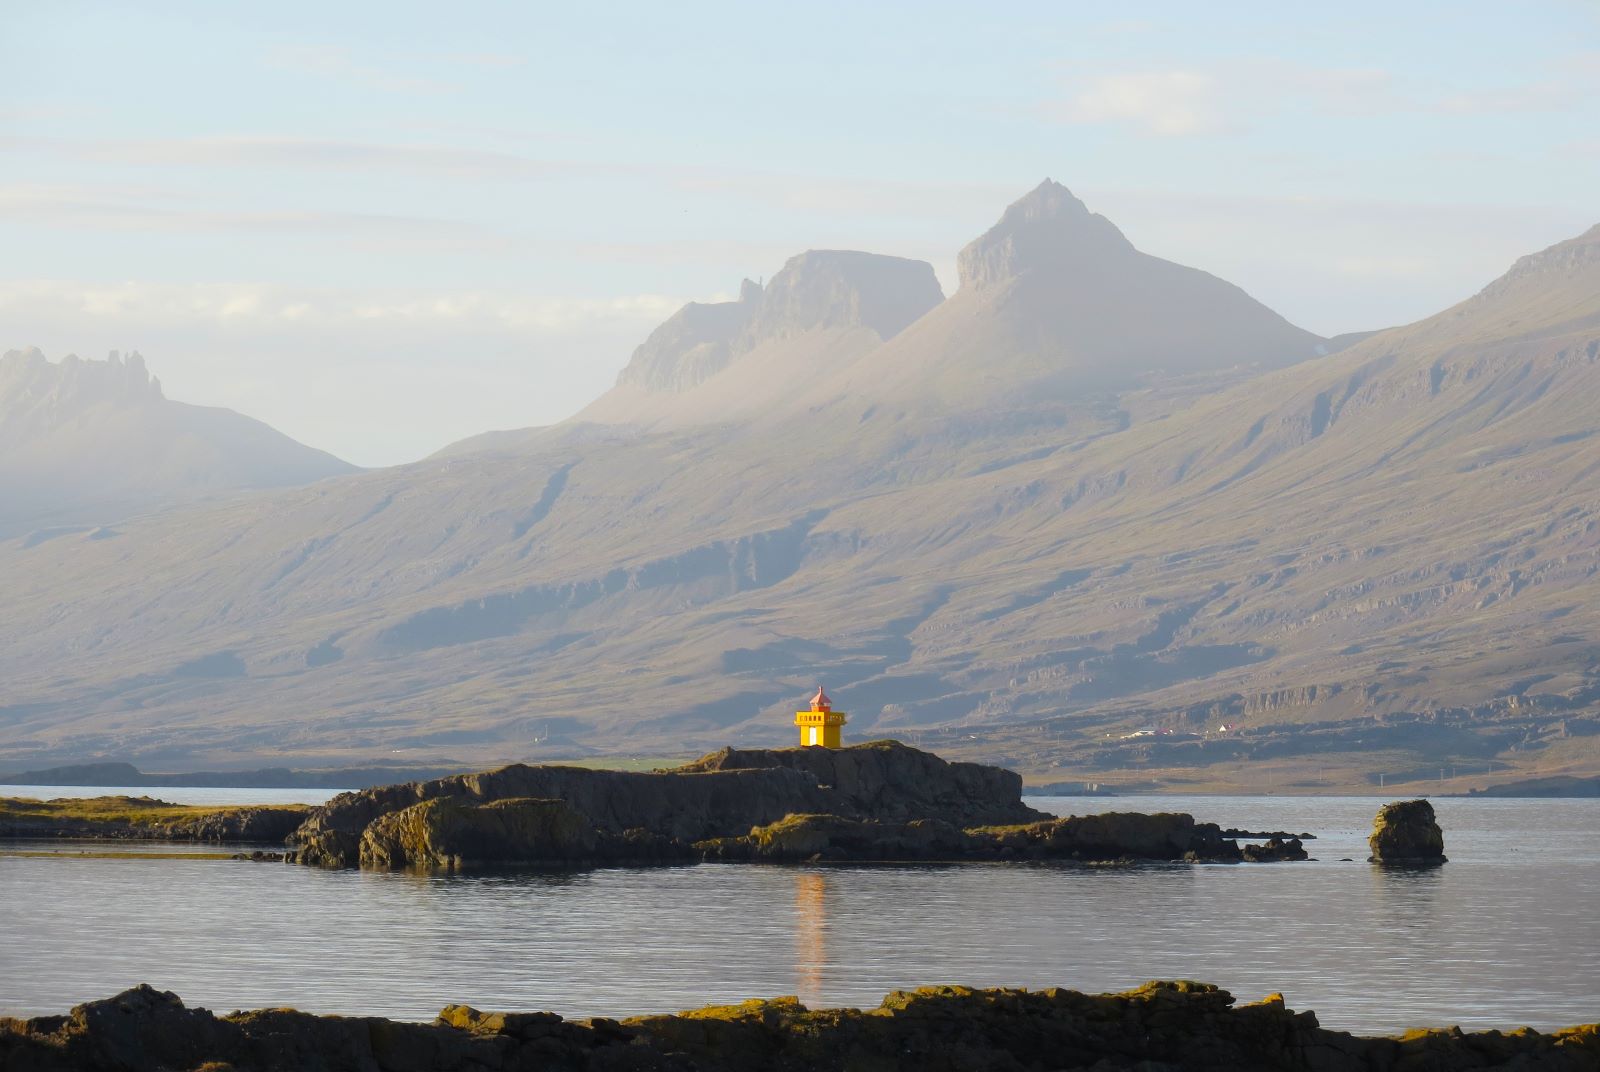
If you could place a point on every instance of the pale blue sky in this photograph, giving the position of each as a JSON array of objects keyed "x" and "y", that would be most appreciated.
[{"x": 384, "y": 226}]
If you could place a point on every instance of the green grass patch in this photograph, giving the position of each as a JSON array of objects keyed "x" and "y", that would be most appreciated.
[{"x": 131, "y": 811}]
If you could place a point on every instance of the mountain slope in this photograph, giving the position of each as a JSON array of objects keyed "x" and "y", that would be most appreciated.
[
  {"x": 86, "y": 442},
  {"x": 1378, "y": 562},
  {"x": 1054, "y": 304}
]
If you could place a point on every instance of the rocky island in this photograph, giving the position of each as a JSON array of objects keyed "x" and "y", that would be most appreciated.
[
  {"x": 1406, "y": 834},
  {"x": 878, "y": 801},
  {"x": 1161, "y": 1025}
]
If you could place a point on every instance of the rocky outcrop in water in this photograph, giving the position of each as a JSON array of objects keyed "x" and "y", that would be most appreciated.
[
  {"x": 724, "y": 794},
  {"x": 1089, "y": 838},
  {"x": 1161, "y": 1025},
  {"x": 1275, "y": 850},
  {"x": 1406, "y": 833}
]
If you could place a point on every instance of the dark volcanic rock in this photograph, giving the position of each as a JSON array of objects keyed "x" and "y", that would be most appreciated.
[
  {"x": 1274, "y": 850},
  {"x": 454, "y": 834},
  {"x": 1161, "y": 1025},
  {"x": 1407, "y": 833},
  {"x": 889, "y": 780},
  {"x": 1089, "y": 838},
  {"x": 724, "y": 794}
]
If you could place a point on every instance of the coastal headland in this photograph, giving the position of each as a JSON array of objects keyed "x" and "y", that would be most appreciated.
[
  {"x": 124, "y": 818},
  {"x": 1160, "y": 1025}
]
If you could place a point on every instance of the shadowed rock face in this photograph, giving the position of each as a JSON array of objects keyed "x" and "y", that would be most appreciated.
[
  {"x": 1407, "y": 833},
  {"x": 1185, "y": 1025},
  {"x": 721, "y": 795},
  {"x": 455, "y": 835},
  {"x": 446, "y": 833}
]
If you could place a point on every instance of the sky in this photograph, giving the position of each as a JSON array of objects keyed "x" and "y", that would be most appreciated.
[{"x": 382, "y": 227}]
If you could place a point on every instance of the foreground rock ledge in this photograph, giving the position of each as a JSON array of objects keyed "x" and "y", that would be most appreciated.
[{"x": 1161, "y": 1025}]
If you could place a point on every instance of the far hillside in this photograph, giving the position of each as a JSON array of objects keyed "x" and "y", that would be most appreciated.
[
  {"x": 85, "y": 443},
  {"x": 1093, "y": 512}
]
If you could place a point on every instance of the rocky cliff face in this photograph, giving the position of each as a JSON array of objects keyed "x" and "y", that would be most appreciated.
[
  {"x": 834, "y": 288},
  {"x": 38, "y": 393},
  {"x": 817, "y": 290},
  {"x": 693, "y": 344},
  {"x": 725, "y": 794},
  {"x": 1161, "y": 1025}
]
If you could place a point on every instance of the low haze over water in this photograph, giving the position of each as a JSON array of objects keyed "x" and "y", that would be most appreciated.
[{"x": 1504, "y": 935}]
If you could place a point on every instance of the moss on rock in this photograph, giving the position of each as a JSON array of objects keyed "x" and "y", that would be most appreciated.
[{"x": 1407, "y": 833}]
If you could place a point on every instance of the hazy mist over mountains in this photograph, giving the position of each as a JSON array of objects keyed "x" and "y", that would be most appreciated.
[
  {"x": 85, "y": 443},
  {"x": 1090, "y": 492}
]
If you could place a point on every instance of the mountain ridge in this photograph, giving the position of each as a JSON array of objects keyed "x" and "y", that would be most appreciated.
[
  {"x": 86, "y": 443},
  {"x": 1367, "y": 561}
]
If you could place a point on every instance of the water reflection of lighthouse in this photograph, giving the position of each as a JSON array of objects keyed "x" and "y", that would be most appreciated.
[{"x": 810, "y": 935}]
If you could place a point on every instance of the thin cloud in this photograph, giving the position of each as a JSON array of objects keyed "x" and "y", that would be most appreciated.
[
  {"x": 176, "y": 305},
  {"x": 89, "y": 208},
  {"x": 1159, "y": 103},
  {"x": 1224, "y": 99}
]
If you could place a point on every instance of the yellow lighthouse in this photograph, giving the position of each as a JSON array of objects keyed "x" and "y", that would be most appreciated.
[{"x": 820, "y": 725}]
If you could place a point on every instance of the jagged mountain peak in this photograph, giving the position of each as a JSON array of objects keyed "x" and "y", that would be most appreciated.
[
  {"x": 1048, "y": 200},
  {"x": 88, "y": 441},
  {"x": 819, "y": 289},
  {"x": 1047, "y": 228},
  {"x": 30, "y": 382}
]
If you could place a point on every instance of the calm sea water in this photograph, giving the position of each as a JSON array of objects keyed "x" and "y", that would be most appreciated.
[{"x": 1507, "y": 933}]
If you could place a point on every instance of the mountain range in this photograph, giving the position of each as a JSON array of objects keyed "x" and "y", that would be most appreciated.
[
  {"x": 1094, "y": 512},
  {"x": 86, "y": 443}
]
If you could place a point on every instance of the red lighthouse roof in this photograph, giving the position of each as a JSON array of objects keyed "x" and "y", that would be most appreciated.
[{"x": 820, "y": 701}]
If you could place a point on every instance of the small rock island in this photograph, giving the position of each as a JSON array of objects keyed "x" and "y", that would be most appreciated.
[
  {"x": 1406, "y": 834},
  {"x": 878, "y": 801}
]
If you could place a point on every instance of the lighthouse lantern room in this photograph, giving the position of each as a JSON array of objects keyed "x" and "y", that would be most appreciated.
[{"x": 822, "y": 724}]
